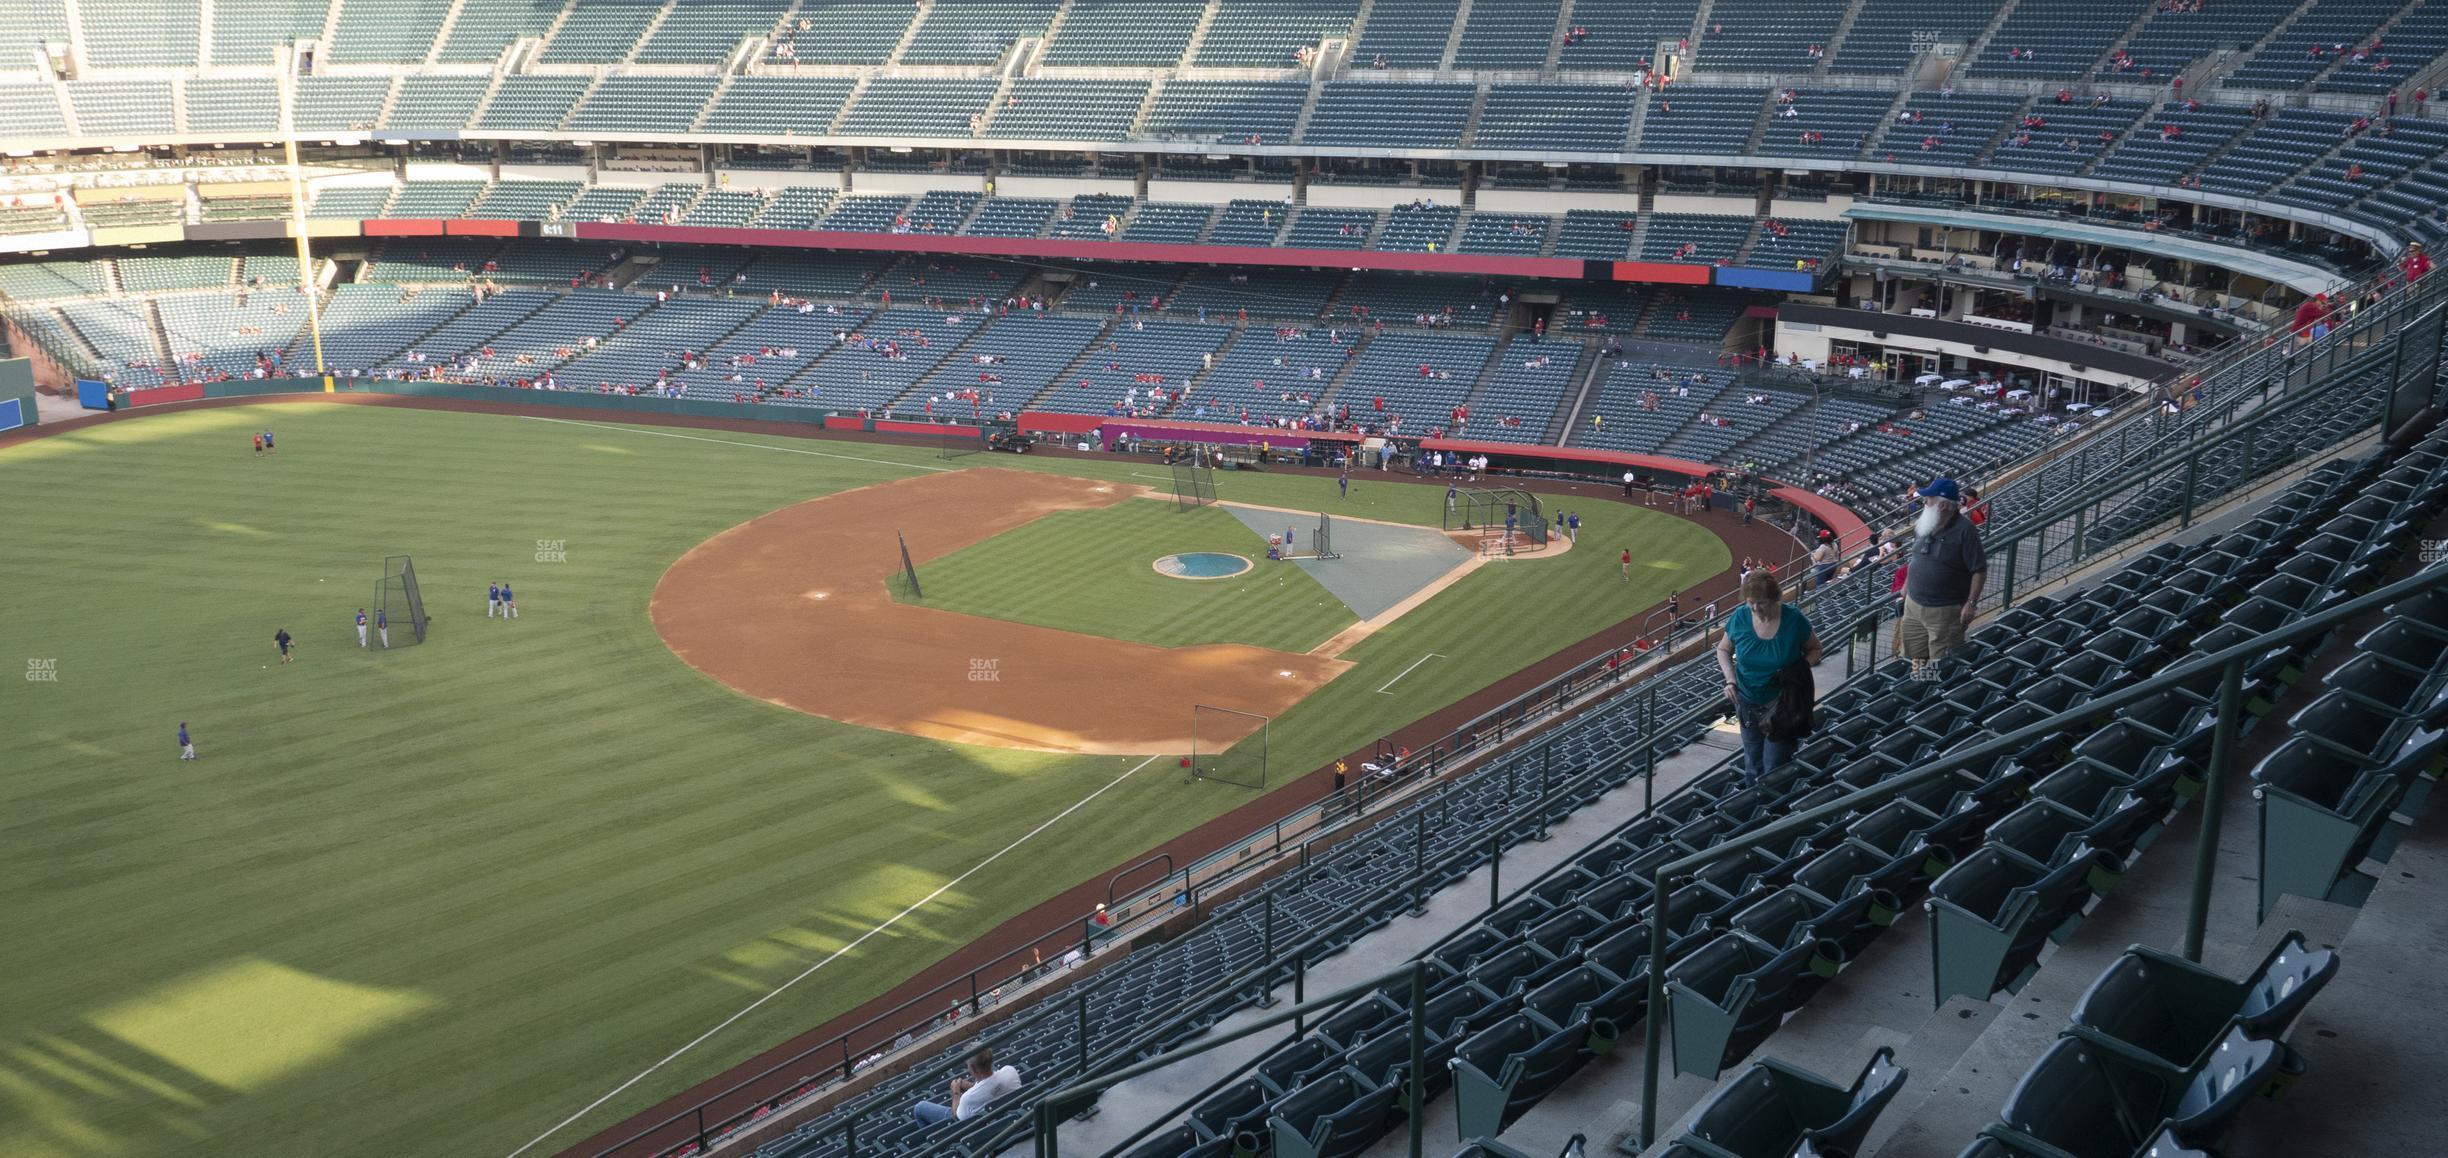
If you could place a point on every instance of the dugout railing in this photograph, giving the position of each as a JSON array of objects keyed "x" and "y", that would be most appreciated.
[{"x": 2032, "y": 550}]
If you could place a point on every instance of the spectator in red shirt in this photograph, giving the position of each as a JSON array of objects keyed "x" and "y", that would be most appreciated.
[
  {"x": 2417, "y": 263},
  {"x": 2312, "y": 317}
]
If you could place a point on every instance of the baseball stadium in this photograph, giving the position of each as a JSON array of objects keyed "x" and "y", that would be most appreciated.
[{"x": 1202, "y": 578}]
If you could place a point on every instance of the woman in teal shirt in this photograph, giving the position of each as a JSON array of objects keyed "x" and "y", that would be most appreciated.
[{"x": 1761, "y": 638}]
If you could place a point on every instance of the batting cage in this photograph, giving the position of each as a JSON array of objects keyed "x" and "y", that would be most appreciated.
[
  {"x": 1321, "y": 541},
  {"x": 1503, "y": 516},
  {"x": 907, "y": 581},
  {"x": 397, "y": 599},
  {"x": 1193, "y": 484},
  {"x": 1228, "y": 746}
]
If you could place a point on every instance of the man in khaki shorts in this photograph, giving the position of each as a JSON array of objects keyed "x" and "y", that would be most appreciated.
[{"x": 1945, "y": 567}]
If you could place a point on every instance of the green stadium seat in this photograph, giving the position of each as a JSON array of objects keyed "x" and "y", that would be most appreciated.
[
  {"x": 1503, "y": 1070},
  {"x": 1991, "y": 914},
  {"x": 2176, "y": 1010},
  {"x": 1774, "y": 1110}
]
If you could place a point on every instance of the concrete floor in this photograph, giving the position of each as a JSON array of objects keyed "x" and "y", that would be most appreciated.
[{"x": 2368, "y": 1043}]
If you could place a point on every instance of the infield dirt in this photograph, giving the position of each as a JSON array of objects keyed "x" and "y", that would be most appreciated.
[{"x": 792, "y": 608}]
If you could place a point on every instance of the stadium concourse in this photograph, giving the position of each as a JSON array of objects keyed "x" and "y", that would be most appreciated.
[{"x": 2150, "y": 275}]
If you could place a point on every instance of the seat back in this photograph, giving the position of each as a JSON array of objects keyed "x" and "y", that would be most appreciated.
[
  {"x": 2232, "y": 1073},
  {"x": 1878, "y": 1085},
  {"x": 1353, "y": 1129},
  {"x": 2076, "y": 1099},
  {"x": 1303, "y": 1110},
  {"x": 1236, "y": 1108},
  {"x": 2287, "y": 983},
  {"x": 1748, "y": 1115},
  {"x": 2169, "y": 1009}
]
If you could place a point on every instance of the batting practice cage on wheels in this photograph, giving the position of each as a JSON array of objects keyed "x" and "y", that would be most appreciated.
[
  {"x": 1193, "y": 484},
  {"x": 1321, "y": 541},
  {"x": 397, "y": 598},
  {"x": 1228, "y": 745},
  {"x": 1489, "y": 509}
]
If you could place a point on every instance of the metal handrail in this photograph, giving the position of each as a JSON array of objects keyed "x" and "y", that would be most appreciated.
[
  {"x": 1070, "y": 1099},
  {"x": 2228, "y": 662},
  {"x": 1275, "y": 960},
  {"x": 1557, "y": 694},
  {"x": 2280, "y": 346}
]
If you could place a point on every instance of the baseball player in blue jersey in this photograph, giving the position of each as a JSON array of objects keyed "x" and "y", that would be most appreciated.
[
  {"x": 186, "y": 746},
  {"x": 493, "y": 600},
  {"x": 280, "y": 639},
  {"x": 509, "y": 602},
  {"x": 361, "y": 627},
  {"x": 382, "y": 625}
]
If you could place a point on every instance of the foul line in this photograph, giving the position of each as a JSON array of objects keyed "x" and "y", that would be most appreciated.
[
  {"x": 837, "y": 953},
  {"x": 730, "y": 442},
  {"x": 1407, "y": 671}
]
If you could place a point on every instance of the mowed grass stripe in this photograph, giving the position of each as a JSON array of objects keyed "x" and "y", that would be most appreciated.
[
  {"x": 1093, "y": 572},
  {"x": 578, "y": 850}
]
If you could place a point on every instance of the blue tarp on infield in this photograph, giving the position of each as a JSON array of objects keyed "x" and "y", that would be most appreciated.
[{"x": 1381, "y": 566}]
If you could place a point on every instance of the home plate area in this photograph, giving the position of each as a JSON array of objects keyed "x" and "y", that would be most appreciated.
[{"x": 1382, "y": 564}]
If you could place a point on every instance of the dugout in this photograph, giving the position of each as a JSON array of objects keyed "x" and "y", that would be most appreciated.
[{"x": 1606, "y": 468}]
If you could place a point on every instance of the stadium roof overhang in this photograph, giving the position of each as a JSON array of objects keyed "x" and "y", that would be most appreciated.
[{"x": 2301, "y": 276}]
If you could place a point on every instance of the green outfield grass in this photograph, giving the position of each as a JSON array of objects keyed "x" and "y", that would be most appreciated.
[
  {"x": 433, "y": 901},
  {"x": 1093, "y": 572}
]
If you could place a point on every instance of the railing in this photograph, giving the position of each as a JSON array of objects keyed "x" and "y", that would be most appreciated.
[
  {"x": 1287, "y": 961},
  {"x": 1862, "y": 600},
  {"x": 2228, "y": 662},
  {"x": 839, "y": 1058},
  {"x": 1852, "y": 600},
  {"x": 2065, "y": 538},
  {"x": 2232, "y": 385}
]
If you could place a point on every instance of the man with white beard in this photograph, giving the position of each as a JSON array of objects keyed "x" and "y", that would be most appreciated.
[{"x": 1945, "y": 568}]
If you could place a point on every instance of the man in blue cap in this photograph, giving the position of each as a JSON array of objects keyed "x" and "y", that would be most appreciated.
[{"x": 1944, "y": 571}]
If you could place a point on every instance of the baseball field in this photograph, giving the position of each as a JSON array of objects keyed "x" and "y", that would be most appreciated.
[{"x": 435, "y": 900}]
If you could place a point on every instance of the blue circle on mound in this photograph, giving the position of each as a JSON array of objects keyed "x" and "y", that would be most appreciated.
[{"x": 1202, "y": 565}]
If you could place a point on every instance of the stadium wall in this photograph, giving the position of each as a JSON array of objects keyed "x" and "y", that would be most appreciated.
[{"x": 17, "y": 394}]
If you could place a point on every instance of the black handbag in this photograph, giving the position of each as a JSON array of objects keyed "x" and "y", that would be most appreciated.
[{"x": 1793, "y": 715}]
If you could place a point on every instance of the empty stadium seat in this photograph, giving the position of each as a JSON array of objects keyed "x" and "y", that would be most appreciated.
[
  {"x": 2090, "y": 1097},
  {"x": 2176, "y": 1010},
  {"x": 1773, "y": 1109},
  {"x": 1991, "y": 913}
]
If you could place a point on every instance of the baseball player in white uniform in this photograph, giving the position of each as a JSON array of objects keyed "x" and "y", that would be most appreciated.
[{"x": 361, "y": 627}]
